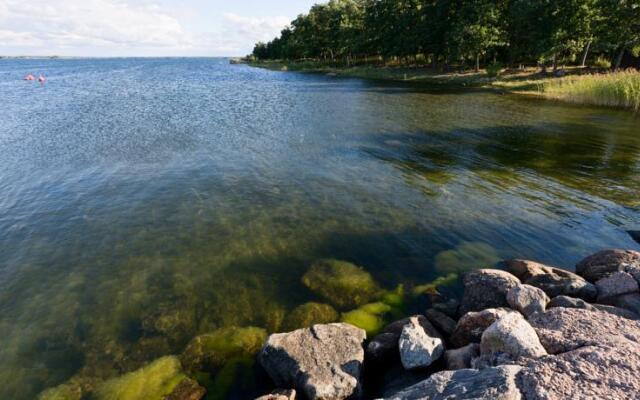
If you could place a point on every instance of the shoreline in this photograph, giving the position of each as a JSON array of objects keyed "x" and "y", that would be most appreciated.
[{"x": 624, "y": 93}]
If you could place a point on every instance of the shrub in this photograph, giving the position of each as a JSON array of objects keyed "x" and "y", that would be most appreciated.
[{"x": 494, "y": 70}]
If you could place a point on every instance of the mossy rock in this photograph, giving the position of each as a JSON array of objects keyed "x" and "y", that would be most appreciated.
[
  {"x": 465, "y": 257},
  {"x": 152, "y": 382},
  {"x": 341, "y": 283},
  {"x": 431, "y": 288},
  {"x": 211, "y": 351},
  {"x": 369, "y": 317},
  {"x": 308, "y": 314},
  {"x": 76, "y": 388}
]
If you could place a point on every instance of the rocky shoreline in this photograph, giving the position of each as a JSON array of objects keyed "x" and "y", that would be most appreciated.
[
  {"x": 526, "y": 331},
  {"x": 530, "y": 332}
]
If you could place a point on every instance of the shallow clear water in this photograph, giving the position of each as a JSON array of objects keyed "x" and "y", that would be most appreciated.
[{"x": 133, "y": 186}]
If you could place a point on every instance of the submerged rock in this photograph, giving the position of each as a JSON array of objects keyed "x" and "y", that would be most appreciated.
[
  {"x": 488, "y": 384},
  {"x": 309, "y": 314},
  {"x": 616, "y": 284},
  {"x": 570, "y": 302},
  {"x": 602, "y": 264},
  {"x": 461, "y": 358},
  {"x": 465, "y": 257},
  {"x": 472, "y": 325},
  {"x": 341, "y": 283},
  {"x": 486, "y": 288},
  {"x": 156, "y": 381},
  {"x": 511, "y": 334},
  {"x": 417, "y": 348},
  {"x": 527, "y": 299},
  {"x": 187, "y": 389},
  {"x": 323, "y": 362},
  {"x": 209, "y": 352},
  {"x": 553, "y": 281}
]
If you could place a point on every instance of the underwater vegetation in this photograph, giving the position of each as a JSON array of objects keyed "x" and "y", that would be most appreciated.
[
  {"x": 466, "y": 257},
  {"x": 309, "y": 314}
]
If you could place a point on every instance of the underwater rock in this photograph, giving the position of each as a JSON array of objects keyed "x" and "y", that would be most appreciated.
[
  {"x": 210, "y": 351},
  {"x": 176, "y": 324},
  {"x": 322, "y": 362},
  {"x": 187, "y": 389},
  {"x": 417, "y": 348},
  {"x": 155, "y": 381},
  {"x": 486, "y": 288},
  {"x": 604, "y": 263},
  {"x": 465, "y": 257},
  {"x": 341, "y": 283},
  {"x": 77, "y": 388},
  {"x": 309, "y": 314},
  {"x": 368, "y": 317}
]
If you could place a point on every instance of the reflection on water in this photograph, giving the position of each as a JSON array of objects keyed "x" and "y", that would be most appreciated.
[{"x": 147, "y": 201}]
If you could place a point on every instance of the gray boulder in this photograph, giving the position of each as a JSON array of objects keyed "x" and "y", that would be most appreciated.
[
  {"x": 593, "y": 372},
  {"x": 470, "y": 327},
  {"x": 279, "y": 395},
  {"x": 570, "y": 302},
  {"x": 417, "y": 348},
  {"x": 322, "y": 362},
  {"x": 603, "y": 263},
  {"x": 616, "y": 284},
  {"x": 461, "y": 358},
  {"x": 566, "y": 329},
  {"x": 383, "y": 348},
  {"x": 553, "y": 281},
  {"x": 486, "y": 288},
  {"x": 527, "y": 299},
  {"x": 441, "y": 321},
  {"x": 512, "y": 334},
  {"x": 629, "y": 302},
  {"x": 488, "y": 384}
]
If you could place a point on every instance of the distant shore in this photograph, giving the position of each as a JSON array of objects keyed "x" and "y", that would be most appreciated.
[{"x": 576, "y": 85}]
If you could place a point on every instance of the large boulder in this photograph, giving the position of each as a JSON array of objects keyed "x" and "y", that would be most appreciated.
[
  {"x": 616, "y": 284},
  {"x": 322, "y": 362},
  {"x": 488, "y": 384},
  {"x": 461, "y": 358},
  {"x": 592, "y": 372},
  {"x": 418, "y": 349},
  {"x": 470, "y": 327},
  {"x": 603, "y": 263},
  {"x": 553, "y": 281},
  {"x": 486, "y": 288},
  {"x": 527, "y": 299},
  {"x": 341, "y": 283},
  {"x": 383, "y": 348},
  {"x": 570, "y": 302},
  {"x": 512, "y": 335},
  {"x": 565, "y": 329}
]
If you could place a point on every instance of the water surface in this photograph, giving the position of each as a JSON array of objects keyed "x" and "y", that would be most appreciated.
[{"x": 136, "y": 187}]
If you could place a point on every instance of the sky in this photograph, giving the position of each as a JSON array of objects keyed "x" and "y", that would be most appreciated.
[{"x": 121, "y": 28}]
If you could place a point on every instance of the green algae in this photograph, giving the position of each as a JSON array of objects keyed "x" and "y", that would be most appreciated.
[
  {"x": 466, "y": 257},
  {"x": 210, "y": 352},
  {"x": 370, "y": 317},
  {"x": 432, "y": 287},
  {"x": 341, "y": 283},
  {"x": 309, "y": 314},
  {"x": 152, "y": 382}
]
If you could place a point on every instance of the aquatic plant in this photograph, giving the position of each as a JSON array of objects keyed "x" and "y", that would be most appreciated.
[
  {"x": 432, "y": 287},
  {"x": 209, "y": 352},
  {"x": 369, "y": 317},
  {"x": 465, "y": 257},
  {"x": 341, "y": 283},
  {"x": 152, "y": 382},
  {"x": 309, "y": 314}
]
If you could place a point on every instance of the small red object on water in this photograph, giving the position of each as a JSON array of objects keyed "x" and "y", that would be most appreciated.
[
  {"x": 41, "y": 79},
  {"x": 29, "y": 78}
]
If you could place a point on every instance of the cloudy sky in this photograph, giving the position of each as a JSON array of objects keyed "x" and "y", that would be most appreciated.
[{"x": 141, "y": 27}]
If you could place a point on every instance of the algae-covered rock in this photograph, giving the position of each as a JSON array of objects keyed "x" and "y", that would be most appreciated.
[
  {"x": 369, "y": 317},
  {"x": 341, "y": 283},
  {"x": 176, "y": 324},
  {"x": 432, "y": 287},
  {"x": 466, "y": 257},
  {"x": 210, "y": 351},
  {"x": 76, "y": 388},
  {"x": 309, "y": 314},
  {"x": 152, "y": 382}
]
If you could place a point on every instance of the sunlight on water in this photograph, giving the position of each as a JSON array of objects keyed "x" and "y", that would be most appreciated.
[{"x": 145, "y": 202}]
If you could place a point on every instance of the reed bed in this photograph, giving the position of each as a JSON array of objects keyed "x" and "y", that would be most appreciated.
[{"x": 619, "y": 89}]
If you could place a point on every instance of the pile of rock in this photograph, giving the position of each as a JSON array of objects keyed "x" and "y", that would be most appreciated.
[{"x": 530, "y": 332}]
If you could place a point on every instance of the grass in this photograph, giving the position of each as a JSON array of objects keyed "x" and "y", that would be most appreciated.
[{"x": 618, "y": 89}]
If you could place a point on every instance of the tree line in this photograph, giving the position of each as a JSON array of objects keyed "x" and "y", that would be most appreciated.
[{"x": 465, "y": 33}]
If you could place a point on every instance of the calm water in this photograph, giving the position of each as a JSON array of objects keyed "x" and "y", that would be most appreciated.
[{"x": 129, "y": 187}]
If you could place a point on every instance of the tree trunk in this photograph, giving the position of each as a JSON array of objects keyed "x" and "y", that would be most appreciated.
[
  {"x": 619, "y": 60},
  {"x": 586, "y": 54},
  {"x": 555, "y": 62},
  {"x": 478, "y": 62}
]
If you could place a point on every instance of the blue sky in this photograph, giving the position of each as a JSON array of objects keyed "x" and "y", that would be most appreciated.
[{"x": 141, "y": 27}]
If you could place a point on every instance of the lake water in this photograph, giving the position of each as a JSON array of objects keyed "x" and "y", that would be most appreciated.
[{"x": 136, "y": 187}]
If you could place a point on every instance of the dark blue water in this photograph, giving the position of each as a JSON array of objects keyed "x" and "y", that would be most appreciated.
[{"x": 133, "y": 186}]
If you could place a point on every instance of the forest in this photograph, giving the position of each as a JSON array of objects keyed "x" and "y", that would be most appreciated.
[{"x": 461, "y": 33}]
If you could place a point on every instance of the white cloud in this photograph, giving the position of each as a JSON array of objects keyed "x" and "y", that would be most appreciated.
[{"x": 78, "y": 23}]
